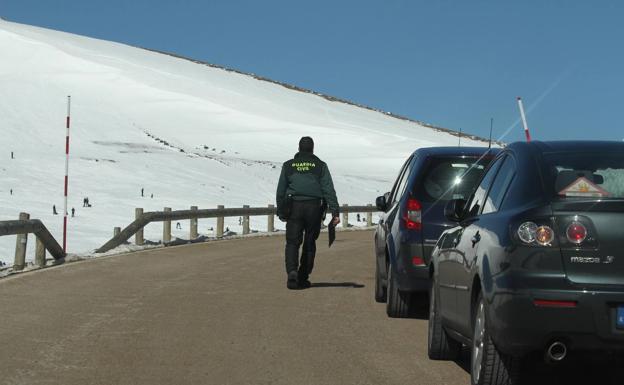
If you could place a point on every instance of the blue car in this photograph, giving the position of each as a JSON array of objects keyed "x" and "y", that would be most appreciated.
[{"x": 413, "y": 219}]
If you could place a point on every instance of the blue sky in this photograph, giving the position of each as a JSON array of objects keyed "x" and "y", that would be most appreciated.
[{"x": 455, "y": 64}]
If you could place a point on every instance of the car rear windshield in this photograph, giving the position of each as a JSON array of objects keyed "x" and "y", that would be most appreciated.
[
  {"x": 451, "y": 178},
  {"x": 585, "y": 175}
]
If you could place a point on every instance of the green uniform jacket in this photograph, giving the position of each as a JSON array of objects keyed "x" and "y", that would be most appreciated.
[{"x": 306, "y": 177}]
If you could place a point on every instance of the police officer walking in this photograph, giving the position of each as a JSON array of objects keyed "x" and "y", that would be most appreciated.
[{"x": 305, "y": 190}]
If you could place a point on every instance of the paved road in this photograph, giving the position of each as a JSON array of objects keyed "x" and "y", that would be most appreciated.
[{"x": 216, "y": 313}]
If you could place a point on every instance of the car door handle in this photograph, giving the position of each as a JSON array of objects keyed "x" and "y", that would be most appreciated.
[{"x": 475, "y": 239}]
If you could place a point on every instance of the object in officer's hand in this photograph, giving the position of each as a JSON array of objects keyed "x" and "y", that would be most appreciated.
[{"x": 331, "y": 229}]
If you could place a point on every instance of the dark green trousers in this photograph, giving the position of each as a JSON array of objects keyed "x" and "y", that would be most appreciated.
[{"x": 303, "y": 226}]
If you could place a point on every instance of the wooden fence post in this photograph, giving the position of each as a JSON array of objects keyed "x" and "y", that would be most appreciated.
[
  {"x": 20, "y": 246},
  {"x": 194, "y": 234},
  {"x": 116, "y": 231},
  {"x": 345, "y": 216},
  {"x": 138, "y": 238},
  {"x": 220, "y": 223},
  {"x": 40, "y": 253},
  {"x": 271, "y": 220},
  {"x": 167, "y": 227},
  {"x": 245, "y": 221},
  {"x": 369, "y": 216}
]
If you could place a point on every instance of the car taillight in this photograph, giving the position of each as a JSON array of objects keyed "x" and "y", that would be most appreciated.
[
  {"x": 526, "y": 232},
  {"x": 544, "y": 235},
  {"x": 413, "y": 215},
  {"x": 530, "y": 233},
  {"x": 576, "y": 232},
  {"x": 418, "y": 261}
]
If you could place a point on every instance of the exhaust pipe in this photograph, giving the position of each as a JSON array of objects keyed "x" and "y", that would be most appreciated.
[{"x": 556, "y": 352}]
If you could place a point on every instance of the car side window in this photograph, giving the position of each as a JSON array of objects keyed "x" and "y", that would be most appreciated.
[
  {"x": 400, "y": 182},
  {"x": 396, "y": 183},
  {"x": 403, "y": 184},
  {"x": 478, "y": 196},
  {"x": 500, "y": 186}
]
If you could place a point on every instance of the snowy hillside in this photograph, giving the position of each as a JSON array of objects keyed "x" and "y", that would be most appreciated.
[{"x": 188, "y": 133}]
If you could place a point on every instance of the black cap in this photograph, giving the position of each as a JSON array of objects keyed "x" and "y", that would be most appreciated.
[{"x": 306, "y": 144}]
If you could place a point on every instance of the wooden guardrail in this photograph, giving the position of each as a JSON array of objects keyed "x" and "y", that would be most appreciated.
[
  {"x": 167, "y": 215},
  {"x": 45, "y": 240}
]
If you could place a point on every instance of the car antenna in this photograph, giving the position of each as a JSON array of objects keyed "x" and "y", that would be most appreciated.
[
  {"x": 491, "y": 124},
  {"x": 459, "y": 138},
  {"x": 524, "y": 121}
]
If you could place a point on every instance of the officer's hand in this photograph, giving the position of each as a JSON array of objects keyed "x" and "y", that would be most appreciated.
[{"x": 336, "y": 220}]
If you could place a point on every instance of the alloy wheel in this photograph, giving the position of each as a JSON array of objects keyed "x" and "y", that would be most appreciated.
[{"x": 478, "y": 343}]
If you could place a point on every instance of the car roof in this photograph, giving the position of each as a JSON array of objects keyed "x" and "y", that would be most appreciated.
[
  {"x": 567, "y": 146},
  {"x": 455, "y": 151}
]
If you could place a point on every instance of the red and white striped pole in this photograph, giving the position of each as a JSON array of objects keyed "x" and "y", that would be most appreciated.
[
  {"x": 524, "y": 121},
  {"x": 66, "y": 174}
]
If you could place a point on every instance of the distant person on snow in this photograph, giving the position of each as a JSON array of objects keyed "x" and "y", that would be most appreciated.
[
  {"x": 142, "y": 191},
  {"x": 73, "y": 212},
  {"x": 54, "y": 210},
  {"x": 304, "y": 191}
]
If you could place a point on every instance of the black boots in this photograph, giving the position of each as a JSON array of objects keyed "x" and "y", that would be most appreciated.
[{"x": 292, "y": 281}]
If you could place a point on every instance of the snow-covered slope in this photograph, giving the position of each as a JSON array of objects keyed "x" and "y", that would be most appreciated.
[{"x": 188, "y": 133}]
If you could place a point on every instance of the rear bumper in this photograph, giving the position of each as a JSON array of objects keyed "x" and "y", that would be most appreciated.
[
  {"x": 409, "y": 277},
  {"x": 518, "y": 326}
]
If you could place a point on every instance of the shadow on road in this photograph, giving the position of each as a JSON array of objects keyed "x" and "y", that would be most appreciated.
[
  {"x": 463, "y": 361},
  {"x": 576, "y": 371},
  {"x": 352, "y": 285},
  {"x": 580, "y": 370},
  {"x": 419, "y": 308}
]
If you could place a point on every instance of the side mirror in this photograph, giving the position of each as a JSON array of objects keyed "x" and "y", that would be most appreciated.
[
  {"x": 454, "y": 209},
  {"x": 382, "y": 202}
]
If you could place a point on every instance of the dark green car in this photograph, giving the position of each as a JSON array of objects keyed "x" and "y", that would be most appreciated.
[{"x": 536, "y": 261}]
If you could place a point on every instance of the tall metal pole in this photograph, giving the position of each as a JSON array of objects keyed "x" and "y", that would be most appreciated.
[
  {"x": 524, "y": 121},
  {"x": 66, "y": 174}
]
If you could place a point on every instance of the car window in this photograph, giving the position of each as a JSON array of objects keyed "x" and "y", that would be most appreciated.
[
  {"x": 500, "y": 185},
  {"x": 398, "y": 183},
  {"x": 476, "y": 201},
  {"x": 584, "y": 175},
  {"x": 449, "y": 178},
  {"x": 401, "y": 187}
]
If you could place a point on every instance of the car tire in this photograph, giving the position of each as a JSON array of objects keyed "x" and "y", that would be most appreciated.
[
  {"x": 489, "y": 366},
  {"x": 398, "y": 302},
  {"x": 380, "y": 289},
  {"x": 439, "y": 345}
]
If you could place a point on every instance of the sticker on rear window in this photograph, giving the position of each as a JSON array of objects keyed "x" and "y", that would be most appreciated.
[{"x": 583, "y": 187}]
